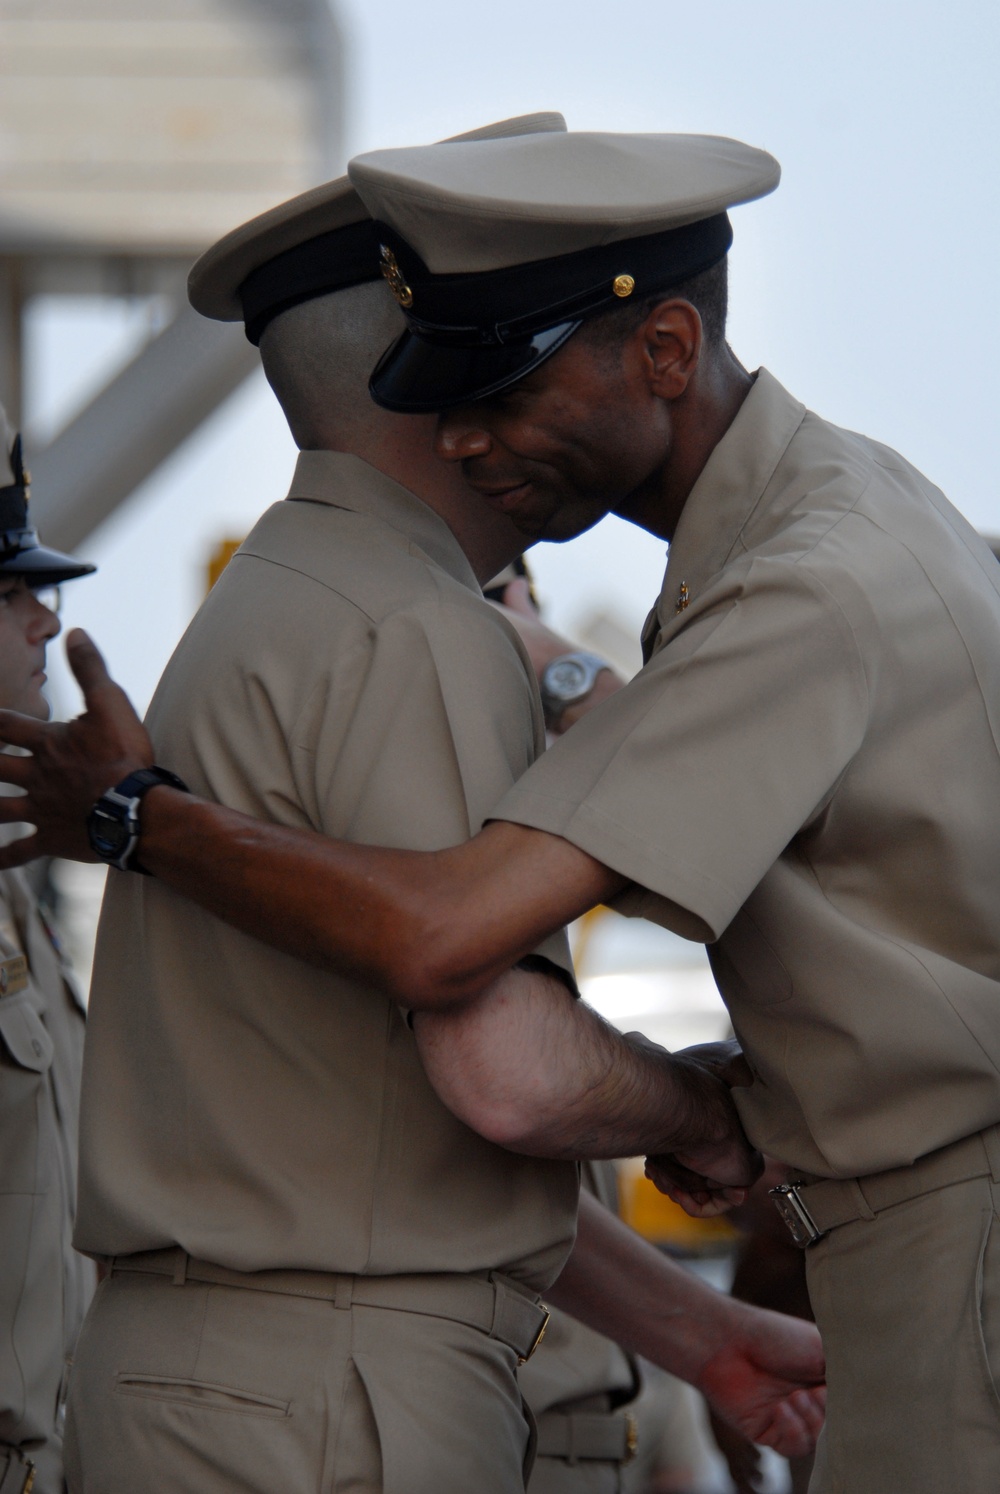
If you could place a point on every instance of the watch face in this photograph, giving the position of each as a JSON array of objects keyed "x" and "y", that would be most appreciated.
[
  {"x": 109, "y": 835},
  {"x": 566, "y": 679}
]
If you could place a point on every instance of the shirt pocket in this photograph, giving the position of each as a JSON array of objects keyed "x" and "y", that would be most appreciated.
[{"x": 25, "y": 1103}]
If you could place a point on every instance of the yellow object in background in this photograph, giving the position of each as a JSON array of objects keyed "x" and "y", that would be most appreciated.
[
  {"x": 658, "y": 1219},
  {"x": 220, "y": 558}
]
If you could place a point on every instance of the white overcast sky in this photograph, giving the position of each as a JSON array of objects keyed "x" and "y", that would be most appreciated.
[{"x": 867, "y": 283}]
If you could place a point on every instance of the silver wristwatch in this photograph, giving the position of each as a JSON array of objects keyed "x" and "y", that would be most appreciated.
[{"x": 567, "y": 680}]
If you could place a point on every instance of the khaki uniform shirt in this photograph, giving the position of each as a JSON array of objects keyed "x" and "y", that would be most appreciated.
[
  {"x": 344, "y": 675},
  {"x": 44, "y": 1285},
  {"x": 806, "y": 774}
]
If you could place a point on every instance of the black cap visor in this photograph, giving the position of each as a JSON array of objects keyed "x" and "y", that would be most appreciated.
[
  {"x": 415, "y": 376},
  {"x": 42, "y": 567},
  {"x": 473, "y": 335}
]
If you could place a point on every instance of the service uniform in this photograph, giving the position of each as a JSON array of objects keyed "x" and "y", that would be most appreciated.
[
  {"x": 44, "y": 1285},
  {"x": 244, "y": 1113},
  {"x": 578, "y": 1385},
  {"x": 806, "y": 775}
]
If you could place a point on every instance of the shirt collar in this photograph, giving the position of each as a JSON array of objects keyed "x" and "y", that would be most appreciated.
[
  {"x": 344, "y": 481},
  {"x": 727, "y": 493}
]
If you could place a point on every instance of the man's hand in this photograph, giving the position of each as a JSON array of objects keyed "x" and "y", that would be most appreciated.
[
  {"x": 761, "y": 1372},
  {"x": 755, "y": 1382},
  {"x": 71, "y": 764},
  {"x": 705, "y": 1181},
  {"x": 533, "y": 1069}
]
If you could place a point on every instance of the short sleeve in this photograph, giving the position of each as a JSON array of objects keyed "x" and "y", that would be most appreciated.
[
  {"x": 693, "y": 779},
  {"x": 442, "y": 722}
]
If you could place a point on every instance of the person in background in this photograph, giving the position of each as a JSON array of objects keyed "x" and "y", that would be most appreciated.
[
  {"x": 44, "y": 1285},
  {"x": 571, "y": 681}
]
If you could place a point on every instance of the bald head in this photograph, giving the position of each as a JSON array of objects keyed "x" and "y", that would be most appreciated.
[{"x": 317, "y": 357}]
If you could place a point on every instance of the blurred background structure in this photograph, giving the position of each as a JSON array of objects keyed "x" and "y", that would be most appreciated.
[
  {"x": 130, "y": 137},
  {"x": 135, "y": 132}
]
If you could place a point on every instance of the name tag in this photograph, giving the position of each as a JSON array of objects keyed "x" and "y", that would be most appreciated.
[{"x": 13, "y": 975}]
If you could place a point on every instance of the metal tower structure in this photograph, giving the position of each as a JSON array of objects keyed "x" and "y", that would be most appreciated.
[{"x": 132, "y": 134}]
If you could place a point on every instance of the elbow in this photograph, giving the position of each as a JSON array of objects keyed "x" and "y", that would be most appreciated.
[
  {"x": 427, "y": 968},
  {"x": 516, "y": 1112},
  {"x": 508, "y": 1121},
  {"x": 503, "y": 1100}
]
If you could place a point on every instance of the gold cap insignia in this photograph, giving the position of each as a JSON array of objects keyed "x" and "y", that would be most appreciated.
[
  {"x": 393, "y": 276},
  {"x": 623, "y": 285}
]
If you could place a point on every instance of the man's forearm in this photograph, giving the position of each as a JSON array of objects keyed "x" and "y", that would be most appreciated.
[
  {"x": 430, "y": 928},
  {"x": 426, "y": 928},
  {"x": 621, "y": 1286},
  {"x": 537, "y": 1071},
  {"x": 761, "y": 1372}
]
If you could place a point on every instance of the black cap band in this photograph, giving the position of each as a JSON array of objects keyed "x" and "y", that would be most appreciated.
[
  {"x": 20, "y": 552},
  {"x": 329, "y": 262},
  {"x": 16, "y": 533},
  {"x": 472, "y": 336},
  {"x": 496, "y": 307},
  {"x": 14, "y": 497}
]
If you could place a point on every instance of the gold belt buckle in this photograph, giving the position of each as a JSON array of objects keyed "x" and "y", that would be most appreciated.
[{"x": 523, "y": 1358}]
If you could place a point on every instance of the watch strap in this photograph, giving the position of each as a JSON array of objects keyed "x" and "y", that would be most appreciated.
[
  {"x": 139, "y": 783},
  {"x": 556, "y": 700},
  {"x": 121, "y": 804}
]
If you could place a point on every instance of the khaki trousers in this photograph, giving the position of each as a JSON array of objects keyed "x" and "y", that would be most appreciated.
[
  {"x": 908, "y": 1304},
  {"x": 199, "y": 1388}
]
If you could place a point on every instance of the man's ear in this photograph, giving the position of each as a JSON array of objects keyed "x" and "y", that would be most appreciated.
[{"x": 672, "y": 340}]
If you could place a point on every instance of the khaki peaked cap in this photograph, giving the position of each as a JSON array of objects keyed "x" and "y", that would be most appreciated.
[
  {"x": 498, "y": 250},
  {"x": 318, "y": 242}
]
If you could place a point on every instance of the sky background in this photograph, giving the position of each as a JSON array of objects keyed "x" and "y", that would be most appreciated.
[{"x": 866, "y": 283}]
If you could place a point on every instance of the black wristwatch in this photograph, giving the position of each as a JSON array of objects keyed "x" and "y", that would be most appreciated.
[{"x": 113, "y": 823}]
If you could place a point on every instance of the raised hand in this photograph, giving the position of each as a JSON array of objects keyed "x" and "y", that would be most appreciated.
[{"x": 71, "y": 764}]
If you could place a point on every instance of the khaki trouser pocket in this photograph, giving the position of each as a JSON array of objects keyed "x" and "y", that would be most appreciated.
[
  {"x": 201, "y": 1394},
  {"x": 988, "y": 1300}
]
